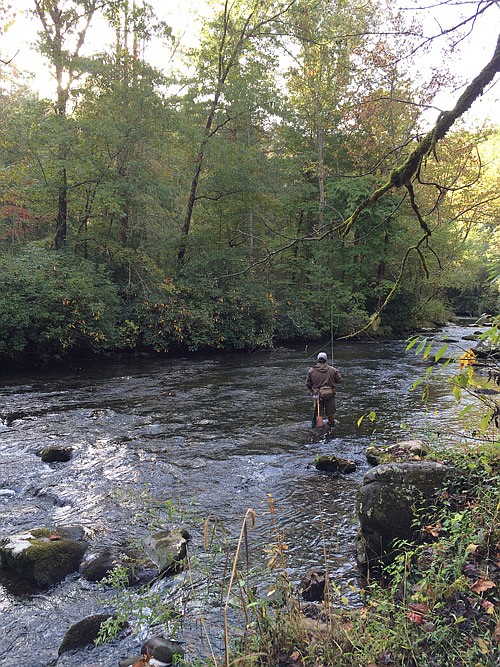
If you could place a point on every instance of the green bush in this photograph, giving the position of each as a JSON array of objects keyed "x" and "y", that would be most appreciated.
[
  {"x": 53, "y": 305},
  {"x": 200, "y": 317}
]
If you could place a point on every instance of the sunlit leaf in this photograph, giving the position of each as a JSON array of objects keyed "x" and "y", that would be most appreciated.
[
  {"x": 465, "y": 410},
  {"x": 421, "y": 346},
  {"x": 447, "y": 362},
  {"x": 416, "y": 383},
  {"x": 485, "y": 421},
  {"x": 440, "y": 352},
  {"x": 428, "y": 350},
  {"x": 412, "y": 341}
]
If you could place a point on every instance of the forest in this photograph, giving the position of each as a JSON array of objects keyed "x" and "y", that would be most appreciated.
[{"x": 284, "y": 175}]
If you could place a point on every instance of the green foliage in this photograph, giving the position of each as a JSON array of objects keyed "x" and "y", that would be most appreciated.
[
  {"x": 283, "y": 161},
  {"x": 53, "y": 305},
  {"x": 204, "y": 316},
  {"x": 141, "y": 608}
]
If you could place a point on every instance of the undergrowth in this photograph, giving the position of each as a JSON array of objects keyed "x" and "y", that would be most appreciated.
[{"x": 437, "y": 605}]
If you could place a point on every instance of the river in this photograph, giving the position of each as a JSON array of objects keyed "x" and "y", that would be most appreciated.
[{"x": 194, "y": 437}]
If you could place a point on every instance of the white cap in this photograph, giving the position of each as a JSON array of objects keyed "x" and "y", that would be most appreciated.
[{"x": 322, "y": 356}]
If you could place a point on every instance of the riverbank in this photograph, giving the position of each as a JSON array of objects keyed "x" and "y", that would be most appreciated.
[{"x": 437, "y": 604}]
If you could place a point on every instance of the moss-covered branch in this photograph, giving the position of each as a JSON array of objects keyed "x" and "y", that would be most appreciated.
[{"x": 405, "y": 173}]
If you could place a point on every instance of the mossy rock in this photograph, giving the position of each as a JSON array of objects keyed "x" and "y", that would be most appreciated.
[
  {"x": 167, "y": 549},
  {"x": 406, "y": 450},
  {"x": 44, "y": 556},
  {"x": 387, "y": 503}
]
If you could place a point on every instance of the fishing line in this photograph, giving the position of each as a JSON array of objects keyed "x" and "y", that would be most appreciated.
[{"x": 333, "y": 335}]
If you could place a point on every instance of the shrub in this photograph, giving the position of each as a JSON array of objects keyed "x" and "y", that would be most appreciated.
[{"x": 53, "y": 305}]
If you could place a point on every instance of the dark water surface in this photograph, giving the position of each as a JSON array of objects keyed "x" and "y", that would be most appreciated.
[{"x": 202, "y": 436}]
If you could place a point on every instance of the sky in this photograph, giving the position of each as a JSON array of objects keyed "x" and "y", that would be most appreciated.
[{"x": 470, "y": 57}]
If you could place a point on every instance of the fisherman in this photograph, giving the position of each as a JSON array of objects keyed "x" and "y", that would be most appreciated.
[{"x": 321, "y": 380}]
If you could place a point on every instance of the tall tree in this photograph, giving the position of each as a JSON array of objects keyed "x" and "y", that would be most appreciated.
[
  {"x": 62, "y": 36},
  {"x": 330, "y": 37},
  {"x": 235, "y": 29}
]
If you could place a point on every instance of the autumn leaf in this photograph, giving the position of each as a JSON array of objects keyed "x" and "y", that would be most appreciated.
[
  {"x": 415, "y": 618},
  {"x": 434, "y": 530},
  {"x": 483, "y": 646},
  {"x": 488, "y": 606},
  {"x": 482, "y": 585},
  {"x": 417, "y": 613}
]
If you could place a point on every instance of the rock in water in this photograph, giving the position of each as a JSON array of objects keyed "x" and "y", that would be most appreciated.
[{"x": 44, "y": 556}]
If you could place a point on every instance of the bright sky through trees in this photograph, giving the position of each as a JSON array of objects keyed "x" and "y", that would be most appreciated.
[{"x": 470, "y": 55}]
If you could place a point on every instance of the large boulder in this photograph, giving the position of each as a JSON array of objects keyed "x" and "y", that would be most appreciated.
[
  {"x": 387, "y": 502},
  {"x": 44, "y": 556}
]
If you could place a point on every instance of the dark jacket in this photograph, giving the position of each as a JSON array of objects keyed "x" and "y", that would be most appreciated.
[{"x": 322, "y": 374}]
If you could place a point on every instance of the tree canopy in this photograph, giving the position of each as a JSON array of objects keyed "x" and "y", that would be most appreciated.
[{"x": 285, "y": 175}]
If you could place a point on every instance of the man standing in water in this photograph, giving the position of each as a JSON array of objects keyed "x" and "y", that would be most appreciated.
[{"x": 321, "y": 380}]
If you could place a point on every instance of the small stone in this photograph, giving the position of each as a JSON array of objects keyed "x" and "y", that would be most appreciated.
[
  {"x": 312, "y": 586},
  {"x": 56, "y": 454},
  {"x": 331, "y": 463},
  {"x": 162, "y": 649}
]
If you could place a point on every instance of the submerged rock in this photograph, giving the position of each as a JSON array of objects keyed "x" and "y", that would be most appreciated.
[
  {"x": 83, "y": 633},
  {"x": 56, "y": 454},
  {"x": 44, "y": 556},
  {"x": 331, "y": 463},
  {"x": 98, "y": 566}
]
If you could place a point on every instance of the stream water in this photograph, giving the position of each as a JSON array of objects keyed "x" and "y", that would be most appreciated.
[{"x": 198, "y": 436}]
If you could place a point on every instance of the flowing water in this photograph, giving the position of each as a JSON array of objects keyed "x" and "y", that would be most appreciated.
[{"x": 202, "y": 436}]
